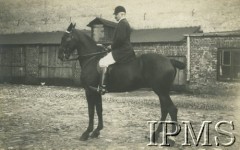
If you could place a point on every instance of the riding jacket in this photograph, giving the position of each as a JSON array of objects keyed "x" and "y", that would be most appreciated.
[{"x": 122, "y": 50}]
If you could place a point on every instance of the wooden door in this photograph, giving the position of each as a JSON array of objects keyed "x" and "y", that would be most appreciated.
[
  {"x": 51, "y": 69},
  {"x": 12, "y": 64},
  {"x": 18, "y": 64},
  {"x": 5, "y": 64}
]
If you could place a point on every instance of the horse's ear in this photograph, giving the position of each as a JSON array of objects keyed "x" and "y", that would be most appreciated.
[
  {"x": 69, "y": 29},
  {"x": 74, "y": 25}
]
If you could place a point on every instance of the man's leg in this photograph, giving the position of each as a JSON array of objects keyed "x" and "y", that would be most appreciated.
[
  {"x": 102, "y": 87},
  {"x": 104, "y": 63}
]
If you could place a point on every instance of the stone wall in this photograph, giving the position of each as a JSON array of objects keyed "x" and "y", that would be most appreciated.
[
  {"x": 167, "y": 49},
  {"x": 203, "y": 64},
  {"x": 173, "y": 50}
]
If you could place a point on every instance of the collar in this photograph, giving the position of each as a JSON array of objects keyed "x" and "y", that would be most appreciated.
[{"x": 122, "y": 19}]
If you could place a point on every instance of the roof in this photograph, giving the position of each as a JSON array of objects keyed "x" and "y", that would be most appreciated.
[
  {"x": 137, "y": 36},
  {"x": 152, "y": 35},
  {"x": 162, "y": 35},
  {"x": 105, "y": 22},
  {"x": 34, "y": 38},
  {"x": 214, "y": 34}
]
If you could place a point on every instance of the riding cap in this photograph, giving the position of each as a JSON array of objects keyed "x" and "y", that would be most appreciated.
[{"x": 119, "y": 9}]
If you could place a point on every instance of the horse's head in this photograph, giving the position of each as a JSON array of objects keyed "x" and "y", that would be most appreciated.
[{"x": 68, "y": 43}]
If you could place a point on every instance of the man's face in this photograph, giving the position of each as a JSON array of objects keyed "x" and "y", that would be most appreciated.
[{"x": 118, "y": 16}]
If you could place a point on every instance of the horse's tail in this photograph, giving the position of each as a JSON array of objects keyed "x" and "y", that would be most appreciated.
[{"x": 178, "y": 64}]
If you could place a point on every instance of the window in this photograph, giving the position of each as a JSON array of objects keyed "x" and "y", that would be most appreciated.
[
  {"x": 226, "y": 58},
  {"x": 98, "y": 33},
  {"x": 229, "y": 64}
]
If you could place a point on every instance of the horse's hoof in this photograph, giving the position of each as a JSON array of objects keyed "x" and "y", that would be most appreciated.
[
  {"x": 84, "y": 137},
  {"x": 95, "y": 134}
]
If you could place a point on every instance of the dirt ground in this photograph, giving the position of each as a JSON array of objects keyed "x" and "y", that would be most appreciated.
[{"x": 51, "y": 117}]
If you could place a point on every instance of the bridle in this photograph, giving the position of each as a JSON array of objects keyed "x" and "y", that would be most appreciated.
[{"x": 86, "y": 55}]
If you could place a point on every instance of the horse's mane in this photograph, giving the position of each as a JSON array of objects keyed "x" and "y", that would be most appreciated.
[
  {"x": 87, "y": 40},
  {"x": 83, "y": 34}
]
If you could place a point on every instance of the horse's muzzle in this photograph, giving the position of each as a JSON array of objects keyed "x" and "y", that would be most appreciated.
[{"x": 61, "y": 55}]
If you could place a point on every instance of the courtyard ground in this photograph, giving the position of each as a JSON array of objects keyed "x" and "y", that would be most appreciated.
[{"x": 54, "y": 117}]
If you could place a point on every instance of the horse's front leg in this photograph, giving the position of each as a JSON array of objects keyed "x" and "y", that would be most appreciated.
[
  {"x": 98, "y": 103},
  {"x": 91, "y": 105}
]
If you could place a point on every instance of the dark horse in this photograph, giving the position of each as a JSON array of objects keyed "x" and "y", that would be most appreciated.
[{"x": 146, "y": 71}]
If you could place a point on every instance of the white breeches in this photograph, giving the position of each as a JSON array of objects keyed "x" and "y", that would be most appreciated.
[{"x": 106, "y": 60}]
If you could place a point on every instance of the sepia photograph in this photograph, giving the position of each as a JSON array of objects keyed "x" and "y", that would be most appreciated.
[{"x": 119, "y": 74}]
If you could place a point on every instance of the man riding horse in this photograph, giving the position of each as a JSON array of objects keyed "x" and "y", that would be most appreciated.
[
  {"x": 151, "y": 70},
  {"x": 121, "y": 48}
]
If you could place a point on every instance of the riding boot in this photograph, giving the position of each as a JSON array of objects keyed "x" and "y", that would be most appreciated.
[{"x": 102, "y": 87}]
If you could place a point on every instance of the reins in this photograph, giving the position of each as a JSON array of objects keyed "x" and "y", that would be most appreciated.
[
  {"x": 94, "y": 54},
  {"x": 87, "y": 55},
  {"x": 72, "y": 59},
  {"x": 92, "y": 57}
]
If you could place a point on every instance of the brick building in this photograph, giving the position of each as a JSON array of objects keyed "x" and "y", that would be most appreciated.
[
  {"x": 212, "y": 59},
  {"x": 214, "y": 62}
]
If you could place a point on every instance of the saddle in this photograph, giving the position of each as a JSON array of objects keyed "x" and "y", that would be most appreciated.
[{"x": 114, "y": 66}]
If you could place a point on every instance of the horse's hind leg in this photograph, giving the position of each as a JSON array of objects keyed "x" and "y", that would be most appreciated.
[
  {"x": 164, "y": 112},
  {"x": 172, "y": 110},
  {"x": 167, "y": 106}
]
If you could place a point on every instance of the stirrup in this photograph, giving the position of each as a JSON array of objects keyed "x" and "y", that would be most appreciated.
[{"x": 101, "y": 90}]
